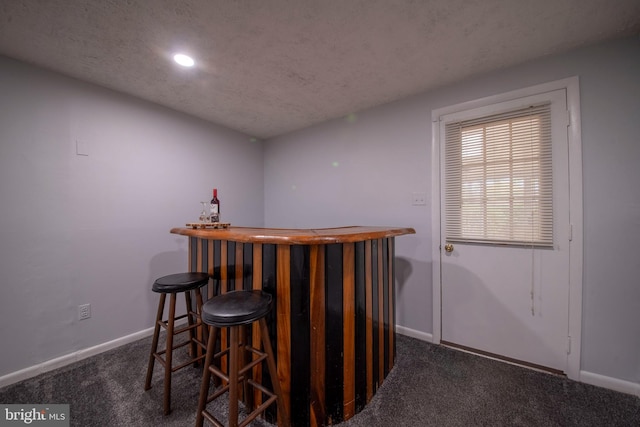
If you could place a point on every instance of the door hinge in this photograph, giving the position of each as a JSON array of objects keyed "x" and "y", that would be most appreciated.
[
  {"x": 570, "y": 232},
  {"x": 568, "y": 118},
  {"x": 568, "y": 345}
]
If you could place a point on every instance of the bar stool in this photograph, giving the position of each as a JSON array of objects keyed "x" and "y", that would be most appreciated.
[
  {"x": 234, "y": 310},
  {"x": 174, "y": 284}
]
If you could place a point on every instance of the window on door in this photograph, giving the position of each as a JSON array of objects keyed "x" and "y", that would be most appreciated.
[{"x": 499, "y": 178}]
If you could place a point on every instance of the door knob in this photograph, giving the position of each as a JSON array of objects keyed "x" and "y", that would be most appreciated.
[{"x": 448, "y": 248}]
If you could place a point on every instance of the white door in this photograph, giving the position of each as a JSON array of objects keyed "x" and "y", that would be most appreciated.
[{"x": 511, "y": 300}]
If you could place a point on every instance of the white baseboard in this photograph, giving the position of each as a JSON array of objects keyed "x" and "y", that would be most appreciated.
[
  {"x": 610, "y": 383},
  {"x": 423, "y": 336},
  {"x": 70, "y": 358},
  {"x": 23, "y": 374},
  {"x": 76, "y": 356}
]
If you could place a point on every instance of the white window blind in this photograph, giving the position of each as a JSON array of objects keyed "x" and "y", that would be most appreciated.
[{"x": 498, "y": 178}]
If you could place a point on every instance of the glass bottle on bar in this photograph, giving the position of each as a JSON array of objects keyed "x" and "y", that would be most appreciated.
[{"x": 215, "y": 207}]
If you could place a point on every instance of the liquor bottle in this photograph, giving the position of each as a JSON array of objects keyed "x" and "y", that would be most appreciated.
[{"x": 215, "y": 207}]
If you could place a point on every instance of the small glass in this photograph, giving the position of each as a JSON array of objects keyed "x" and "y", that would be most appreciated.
[{"x": 204, "y": 214}]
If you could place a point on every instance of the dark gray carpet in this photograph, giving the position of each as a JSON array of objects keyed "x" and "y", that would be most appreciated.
[{"x": 429, "y": 386}]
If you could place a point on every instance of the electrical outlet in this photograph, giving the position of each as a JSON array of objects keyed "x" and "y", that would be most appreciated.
[
  {"x": 419, "y": 199},
  {"x": 84, "y": 311}
]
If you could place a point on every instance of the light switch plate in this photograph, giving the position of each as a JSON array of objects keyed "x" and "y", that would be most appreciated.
[
  {"x": 82, "y": 148},
  {"x": 419, "y": 199}
]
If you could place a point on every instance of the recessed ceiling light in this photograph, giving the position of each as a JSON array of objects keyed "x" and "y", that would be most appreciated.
[{"x": 184, "y": 60}]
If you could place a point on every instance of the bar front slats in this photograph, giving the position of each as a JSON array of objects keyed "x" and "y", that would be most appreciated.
[
  {"x": 334, "y": 330},
  {"x": 375, "y": 315},
  {"x": 385, "y": 305},
  {"x": 247, "y": 269},
  {"x": 230, "y": 278},
  {"x": 224, "y": 333},
  {"x": 193, "y": 254},
  {"x": 210, "y": 270},
  {"x": 255, "y": 333},
  {"x": 361, "y": 348},
  {"x": 217, "y": 251},
  {"x": 391, "y": 302},
  {"x": 239, "y": 264},
  {"x": 380, "y": 315},
  {"x": 199, "y": 258},
  {"x": 269, "y": 285},
  {"x": 283, "y": 308},
  {"x": 369, "y": 316},
  {"x": 317, "y": 314},
  {"x": 348, "y": 323},
  {"x": 333, "y": 323},
  {"x": 223, "y": 267},
  {"x": 300, "y": 325}
]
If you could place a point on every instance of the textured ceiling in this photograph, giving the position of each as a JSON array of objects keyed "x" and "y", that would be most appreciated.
[{"x": 267, "y": 67}]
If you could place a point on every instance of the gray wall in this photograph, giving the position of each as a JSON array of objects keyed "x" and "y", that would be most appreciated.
[
  {"x": 95, "y": 229},
  {"x": 363, "y": 169}
]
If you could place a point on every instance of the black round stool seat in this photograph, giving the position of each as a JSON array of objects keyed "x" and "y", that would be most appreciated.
[
  {"x": 180, "y": 282},
  {"x": 236, "y": 308}
]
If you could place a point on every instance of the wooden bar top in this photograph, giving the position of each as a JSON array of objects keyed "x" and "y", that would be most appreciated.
[{"x": 294, "y": 236}]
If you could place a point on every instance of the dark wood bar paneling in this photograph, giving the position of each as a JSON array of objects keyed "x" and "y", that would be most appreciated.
[
  {"x": 375, "y": 326},
  {"x": 283, "y": 308},
  {"x": 199, "y": 266},
  {"x": 360, "y": 328},
  {"x": 300, "y": 334},
  {"x": 381, "y": 318},
  {"x": 193, "y": 251},
  {"x": 334, "y": 342},
  {"x": 385, "y": 306},
  {"x": 333, "y": 323},
  {"x": 256, "y": 337},
  {"x": 224, "y": 287},
  {"x": 349, "y": 329},
  {"x": 317, "y": 334},
  {"x": 248, "y": 261},
  {"x": 269, "y": 263},
  {"x": 392, "y": 298},
  {"x": 230, "y": 266},
  {"x": 369, "y": 316}
]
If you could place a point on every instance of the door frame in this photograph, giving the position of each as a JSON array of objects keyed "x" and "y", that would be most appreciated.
[{"x": 574, "y": 137}]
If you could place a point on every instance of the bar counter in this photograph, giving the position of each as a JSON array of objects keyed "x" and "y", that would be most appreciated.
[{"x": 333, "y": 327}]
